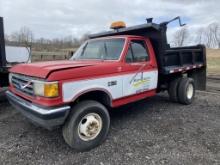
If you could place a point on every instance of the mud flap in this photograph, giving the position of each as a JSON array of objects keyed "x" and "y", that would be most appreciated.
[{"x": 199, "y": 76}]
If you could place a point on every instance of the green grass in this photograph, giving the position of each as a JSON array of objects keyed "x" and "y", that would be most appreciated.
[{"x": 213, "y": 65}]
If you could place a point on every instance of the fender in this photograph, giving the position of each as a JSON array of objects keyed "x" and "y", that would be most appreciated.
[{"x": 93, "y": 90}]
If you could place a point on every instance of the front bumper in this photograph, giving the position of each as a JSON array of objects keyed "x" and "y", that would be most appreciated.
[{"x": 48, "y": 118}]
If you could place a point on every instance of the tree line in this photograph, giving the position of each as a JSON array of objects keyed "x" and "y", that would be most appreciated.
[
  {"x": 184, "y": 36},
  {"x": 208, "y": 36},
  {"x": 25, "y": 37}
]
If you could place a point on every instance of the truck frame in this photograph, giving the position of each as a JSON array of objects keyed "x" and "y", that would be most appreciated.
[{"x": 111, "y": 69}]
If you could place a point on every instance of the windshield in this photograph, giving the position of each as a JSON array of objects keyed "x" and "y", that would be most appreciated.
[{"x": 103, "y": 49}]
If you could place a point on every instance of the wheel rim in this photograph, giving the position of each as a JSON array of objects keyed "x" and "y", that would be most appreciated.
[
  {"x": 90, "y": 126},
  {"x": 190, "y": 91}
]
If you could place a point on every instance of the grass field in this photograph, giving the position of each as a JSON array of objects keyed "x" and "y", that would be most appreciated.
[{"x": 213, "y": 60}]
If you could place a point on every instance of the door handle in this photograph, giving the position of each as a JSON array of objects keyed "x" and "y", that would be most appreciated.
[{"x": 119, "y": 69}]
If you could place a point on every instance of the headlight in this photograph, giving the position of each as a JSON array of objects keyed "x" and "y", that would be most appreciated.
[{"x": 46, "y": 89}]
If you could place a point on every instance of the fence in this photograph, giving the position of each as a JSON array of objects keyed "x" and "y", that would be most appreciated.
[{"x": 50, "y": 56}]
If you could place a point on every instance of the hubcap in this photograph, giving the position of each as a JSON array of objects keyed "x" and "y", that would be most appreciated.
[
  {"x": 190, "y": 91},
  {"x": 90, "y": 126}
]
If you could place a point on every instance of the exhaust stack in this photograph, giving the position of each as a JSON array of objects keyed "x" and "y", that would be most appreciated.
[{"x": 149, "y": 20}]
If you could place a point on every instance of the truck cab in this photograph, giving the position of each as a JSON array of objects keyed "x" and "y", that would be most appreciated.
[{"x": 109, "y": 70}]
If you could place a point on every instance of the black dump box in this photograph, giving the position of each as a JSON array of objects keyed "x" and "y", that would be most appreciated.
[{"x": 171, "y": 61}]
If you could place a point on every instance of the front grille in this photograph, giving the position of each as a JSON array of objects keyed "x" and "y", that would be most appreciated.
[{"x": 22, "y": 84}]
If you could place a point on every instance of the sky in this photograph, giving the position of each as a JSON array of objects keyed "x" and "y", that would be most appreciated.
[{"x": 60, "y": 18}]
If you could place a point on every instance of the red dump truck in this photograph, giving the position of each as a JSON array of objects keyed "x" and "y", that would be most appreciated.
[{"x": 111, "y": 69}]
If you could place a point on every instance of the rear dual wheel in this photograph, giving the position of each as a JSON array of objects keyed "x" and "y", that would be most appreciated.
[
  {"x": 173, "y": 89},
  {"x": 182, "y": 90},
  {"x": 186, "y": 91}
]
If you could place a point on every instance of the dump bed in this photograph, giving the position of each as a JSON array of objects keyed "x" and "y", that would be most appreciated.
[{"x": 183, "y": 58}]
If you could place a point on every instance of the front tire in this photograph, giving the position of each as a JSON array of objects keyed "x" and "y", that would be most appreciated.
[
  {"x": 186, "y": 91},
  {"x": 87, "y": 125}
]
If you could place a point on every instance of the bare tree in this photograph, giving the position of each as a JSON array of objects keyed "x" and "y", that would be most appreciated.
[
  {"x": 14, "y": 37},
  {"x": 180, "y": 37},
  {"x": 26, "y": 35},
  {"x": 216, "y": 34},
  {"x": 212, "y": 36},
  {"x": 199, "y": 37},
  {"x": 208, "y": 37}
]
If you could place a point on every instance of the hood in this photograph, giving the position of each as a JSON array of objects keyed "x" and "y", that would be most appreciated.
[{"x": 43, "y": 69}]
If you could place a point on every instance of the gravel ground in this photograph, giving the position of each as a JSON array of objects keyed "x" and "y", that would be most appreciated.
[{"x": 151, "y": 131}]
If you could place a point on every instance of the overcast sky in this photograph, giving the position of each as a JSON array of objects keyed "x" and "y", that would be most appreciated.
[{"x": 59, "y": 18}]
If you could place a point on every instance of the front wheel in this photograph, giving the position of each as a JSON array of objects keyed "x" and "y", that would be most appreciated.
[
  {"x": 186, "y": 91},
  {"x": 87, "y": 125}
]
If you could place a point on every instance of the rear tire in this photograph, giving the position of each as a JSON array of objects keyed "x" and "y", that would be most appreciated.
[
  {"x": 87, "y": 125},
  {"x": 173, "y": 89},
  {"x": 186, "y": 91}
]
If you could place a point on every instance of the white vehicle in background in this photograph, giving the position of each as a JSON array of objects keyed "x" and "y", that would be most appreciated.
[{"x": 17, "y": 54}]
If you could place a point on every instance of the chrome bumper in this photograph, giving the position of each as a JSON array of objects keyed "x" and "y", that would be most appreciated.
[{"x": 48, "y": 118}]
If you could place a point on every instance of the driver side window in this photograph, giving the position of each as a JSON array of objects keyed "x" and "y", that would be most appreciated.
[{"x": 137, "y": 52}]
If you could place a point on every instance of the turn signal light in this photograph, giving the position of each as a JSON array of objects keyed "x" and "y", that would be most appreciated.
[{"x": 51, "y": 90}]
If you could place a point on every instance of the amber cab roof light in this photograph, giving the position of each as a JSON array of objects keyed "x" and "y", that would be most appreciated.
[{"x": 117, "y": 25}]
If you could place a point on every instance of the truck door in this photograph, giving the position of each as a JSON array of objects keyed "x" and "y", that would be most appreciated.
[{"x": 141, "y": 74}]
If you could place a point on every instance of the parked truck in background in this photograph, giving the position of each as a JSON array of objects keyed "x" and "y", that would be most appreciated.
[
  {"x": 9, "y": 56},
  {"x": 3, "y": 68},
  {"x": 111, "y": 69}
]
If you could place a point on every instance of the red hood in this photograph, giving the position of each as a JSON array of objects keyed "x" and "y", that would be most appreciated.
[{"x": 42, "y": 69}]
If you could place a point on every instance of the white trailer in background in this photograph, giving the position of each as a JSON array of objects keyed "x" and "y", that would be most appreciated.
[{"x": 17, "y": 54}]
